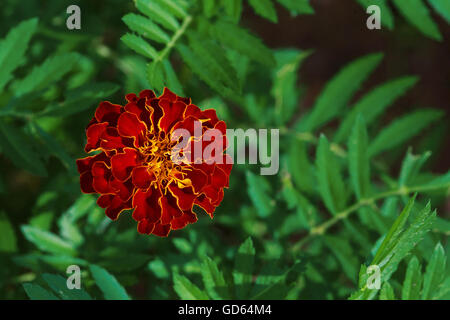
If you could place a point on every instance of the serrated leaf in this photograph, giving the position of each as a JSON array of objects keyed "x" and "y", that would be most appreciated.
[
  {"x": 330, "y": 182},
  {"x": 417, "y": 14},
  {"x": 434, "y": 273},
  {"x": 259, "y": 191},
  {"x": 139, "y": 45},
  {"x": 265, "y": 9},
  {"x": 53, "y": 69},
  {"x": 13, "y": 47},
  {"x": 387, "y": 17},
  {"x": 394, "y": 232},
  {"x": 155, "y": 12},
  {"x": 47, "y": 241},
  {"x": 233, "y": 8},
  {"x": 59, "y": 285},
  {"x": 215, "y": 60},
  {"x": 241, "y": 40},
  {"x": 297, "y": 6},
  {"x": 145, "y": 27},
  {"x": 108, "y": 284},
  {"x": 199, "y": 67},
  {"x": 338, "y": 92},
  {"x": 214, "y": 280},
  {"x": 17, "y": 146},
  {"x": 36, "y": 292},
  {"x": 413, "y": 280},
  {"x": 442, "y": 7},
  {"x": 8, "y": 239},
  {"x": 243, "y": 269},
  {"x": 374, "y": 103},
  {"x": 398, "y": 243},
  {"x": 186, "y": 290},
  {"x": 358, "y": 159},
  {"x": 403, "y": 129}
]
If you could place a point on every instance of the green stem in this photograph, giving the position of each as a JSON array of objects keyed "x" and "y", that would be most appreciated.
[
  {"x": 322, "y": 228},
  {"x": 186, "y": 22}
]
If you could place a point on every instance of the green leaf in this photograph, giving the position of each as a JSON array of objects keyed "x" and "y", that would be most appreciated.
[
  {"x": 47, "y": 241},
  {"x": 8, "y": 239},
  {"x": 242, "y": 41},
  {"x": 265, "y": 9},
  {"x": 53, "y": 69},
  {"x": 407, "y": 241},
  {"x": 442, "y": 7},
  {"x": 108, "y": 284},
  {"x": 394, "y": 232},
  {"x": 297, "y": 6},
  {"x": 387, "y": 17},
  {"x": 171, "y": 78},
  {"x": 155, "y": 12},
  {"x": 139, "y": 45},
  {"x": 155, "y": 75},
  {"x": 398, "y": 243},
  {"x": 300, "y": 167},
  {"x": 284, "y": 89},
  {"x": 338, "y": 92},
  {"x": 403, "y": 129},
  {"x": 173, "y": 7},
  {"x": 413, "y": 280},
  {"x": 145, "y": 27},
  {"x": 434, "y": 273},
  {"x": 186, "y": 290},
  {"x": 374, "y": 103},
  {"x": 199, "y": 67},
  {"x": 59, "y": 285},
  {"x": 209, "y": 7},
  {"x": 214, "y": 280},
  {"x": 214, "y": 59},
  {"x": 159, "y": 269},
  {"x": 233, "y": 9},
  {"x": 13, "y": 47},
  {"x": 411, "y": 166},
  {"x": 441, "y": 182},
  {"x": 36, "y": 292},
  {"x": 259, "y": 191},
  {"x": 344, "y": 252},
  {"x": 243, "y": 268},
  {"x": 358, "y": 158},
  {"x": 55, "y": 148},
  {"x": 417, "y": 14},
  {"x": 387, "y": 292},
  {"x": 17, "y": 146},
  {"x": 331, "y": 185},
  {"x": 80, "y": 99}
]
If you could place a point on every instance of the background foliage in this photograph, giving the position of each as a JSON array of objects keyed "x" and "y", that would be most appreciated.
[{"x": 357, "y": 184}]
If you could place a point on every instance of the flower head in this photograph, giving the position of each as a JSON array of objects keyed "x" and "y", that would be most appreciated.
[{"x": 134, "y": 167}]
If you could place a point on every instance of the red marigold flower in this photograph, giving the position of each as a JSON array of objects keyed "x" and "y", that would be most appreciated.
[{"x": 133, "y": 167}]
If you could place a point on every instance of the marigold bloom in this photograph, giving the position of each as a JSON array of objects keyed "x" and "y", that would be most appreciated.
[{"x": 133, "y": 167}]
